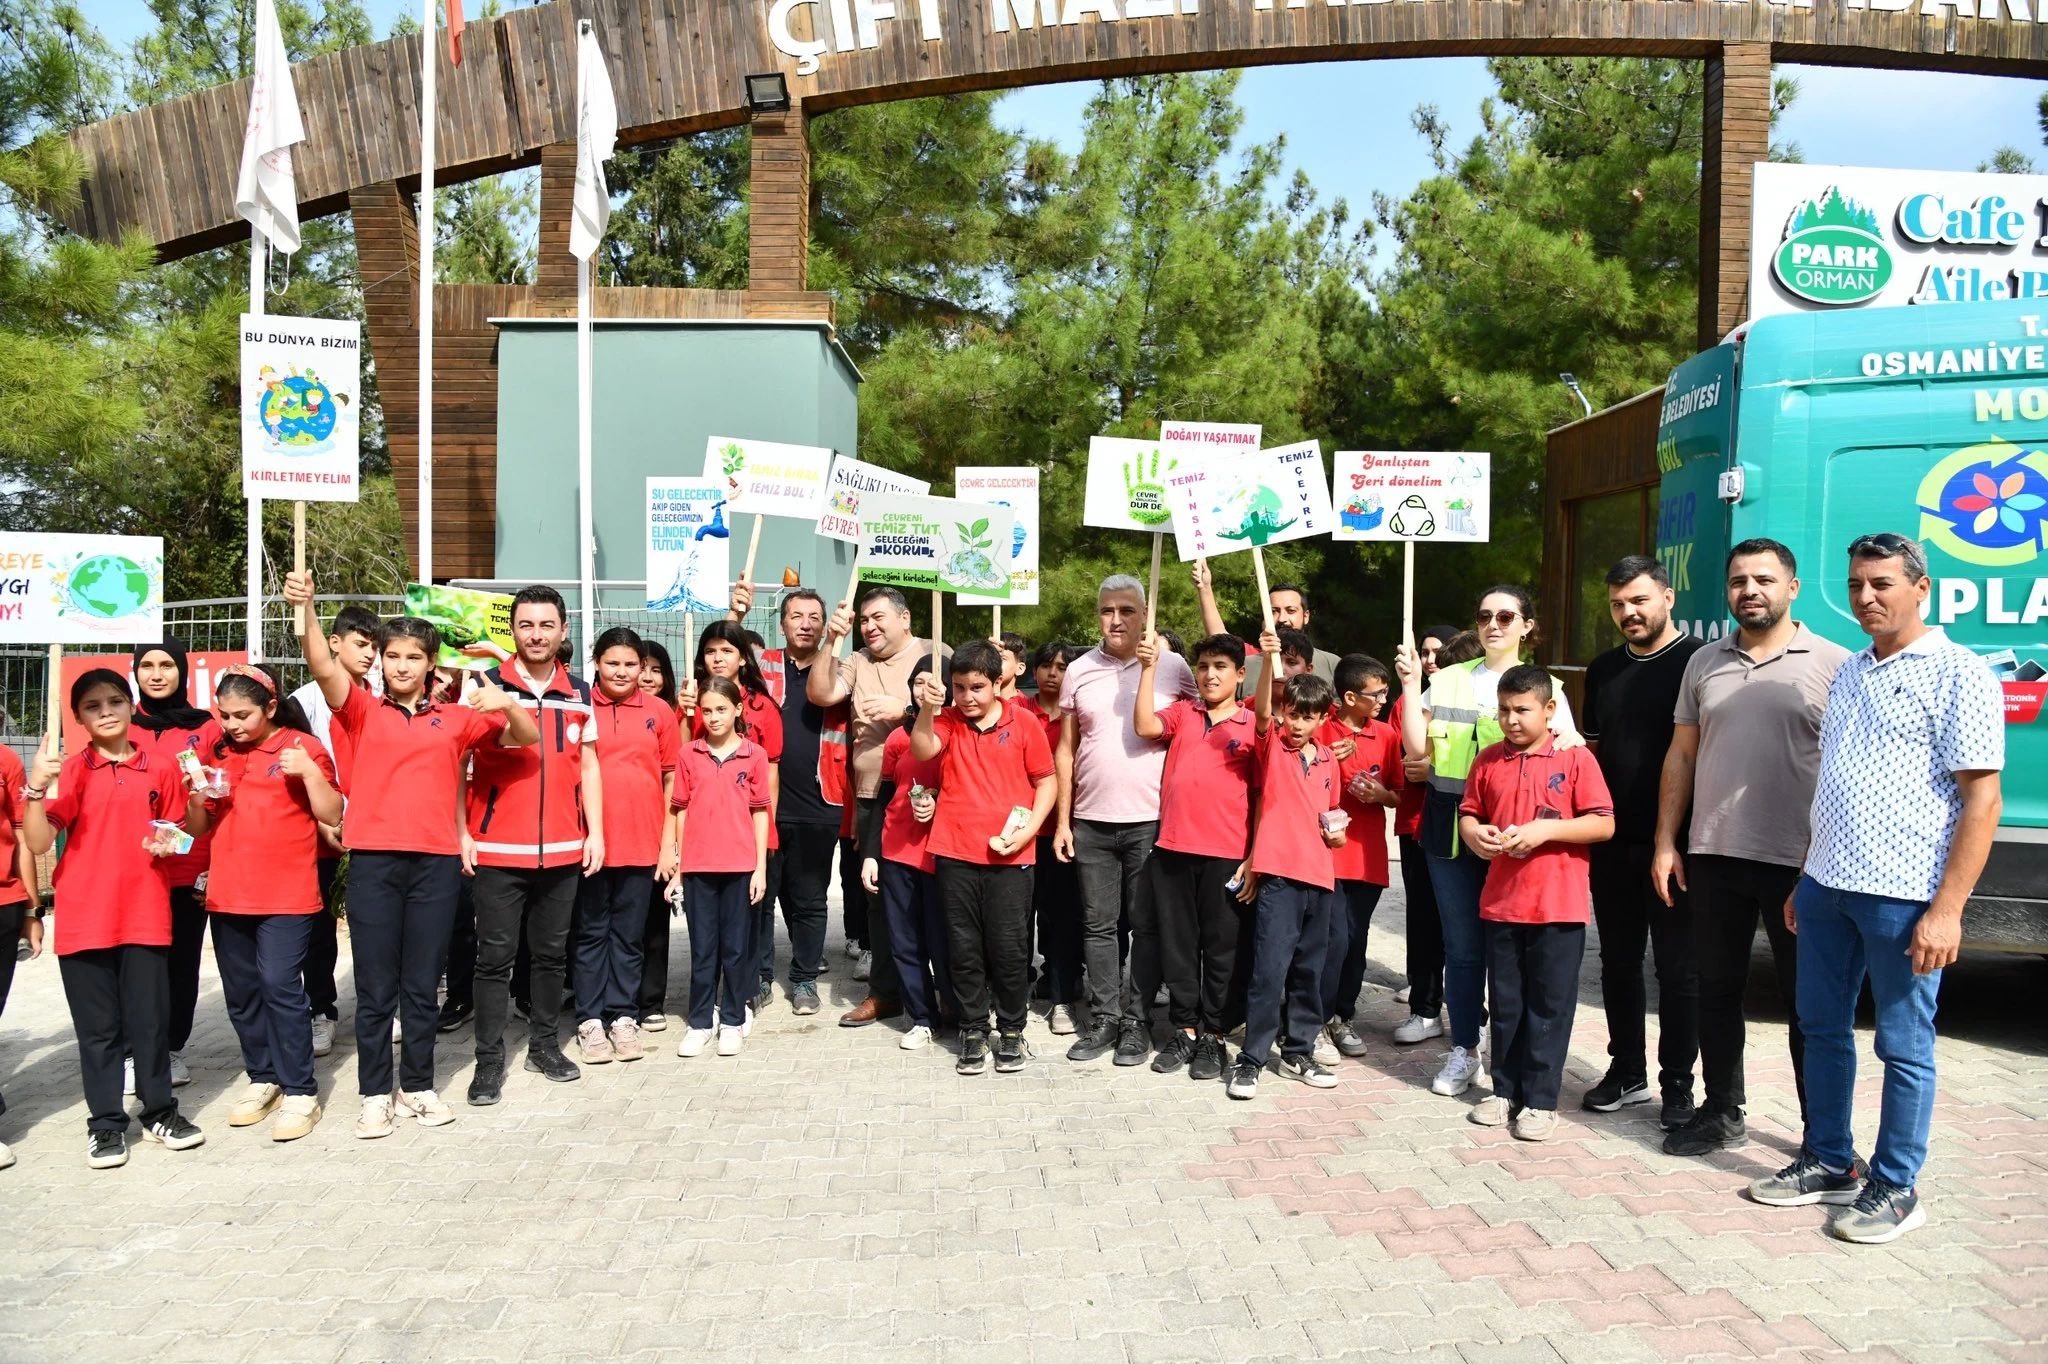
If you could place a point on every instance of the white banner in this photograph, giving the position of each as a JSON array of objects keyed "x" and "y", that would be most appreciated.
[
  {"x": 81, "y": 589},
  {"x": 839, "y": 518},
  {"x": 938, "y": 543},
  {"x": 1231, "y": 502},
  {"x": 689, "y": 546},
  {"x": 763, "y": 478},
  {"x": 1413, "y": 495},
  {"x": 1017, "y": 489},
  {"x": 301, "y": 409}
]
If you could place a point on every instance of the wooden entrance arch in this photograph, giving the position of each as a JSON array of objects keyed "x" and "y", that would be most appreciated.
[{"x": 678, "y": 67}]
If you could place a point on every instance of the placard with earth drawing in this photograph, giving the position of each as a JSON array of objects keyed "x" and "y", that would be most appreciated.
[
  {"x": 301, "y": 408},
  {"x": 937, "y": 543},
  {"x": 1425, "y": 495},
  {"x": 81, "y": 589},
  {"x": 1225, "y": 503},
  {"x": 1017, "y": 489}
]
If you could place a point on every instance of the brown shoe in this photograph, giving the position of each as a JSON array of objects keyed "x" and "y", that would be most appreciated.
[{"x": 873, "y": 1009}]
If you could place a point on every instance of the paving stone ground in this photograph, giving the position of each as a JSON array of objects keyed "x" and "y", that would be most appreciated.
[{"x": 828, "y": 1195}]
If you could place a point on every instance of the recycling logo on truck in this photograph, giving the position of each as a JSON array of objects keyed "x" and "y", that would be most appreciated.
[
  {"x": 1833, "y": 252},
  {"x": 1987, "y": 504}
]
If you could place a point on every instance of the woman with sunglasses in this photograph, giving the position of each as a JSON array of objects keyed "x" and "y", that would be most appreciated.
[{"x": 1449, "y": 725}]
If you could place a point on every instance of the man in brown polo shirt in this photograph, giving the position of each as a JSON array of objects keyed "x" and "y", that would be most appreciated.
[
  {"x": 875, "y": 678},
  {"x": 1744, "y": 757}
]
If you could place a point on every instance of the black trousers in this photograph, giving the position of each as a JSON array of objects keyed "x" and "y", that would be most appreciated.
[
  {"x": 807, "y": 851},
  {"x": 1056, "y": 917},
  {"x": 988, "y": 929},
  {"x": 1116, "y": 896},
  {"x": 764, "y": 921},
  {"x": 721, "y": 946},
  {"x": 462, "y": 946},
  {"x": 323, "y": 950},
  {"x": 917, "y": 933},
  {"x": 10, "y": 935},
  {"x": 120, "y": 1000},
  {"x": 188, "y": 945},
  {"x": 611, "y": 922},
  {"x": 1425, "y": 932},
  {"x": 262, "y": 960},
  {"x": 654, "y": 953},
  {"x": 539, "y": 901},
  {"x": 854, "y": 908},
  {"x": 883, "y": 982},
  {"x": 1344, "y": 963},
  {"x": 1290, "y": 937},
  {"x": 1632, "y": 919},
  {"x": 1200, "y": 923},
  {"x": 1532, "y": 977},
  {"x": 400, "y": 906},
  {"x": 1729, "y": 895}
]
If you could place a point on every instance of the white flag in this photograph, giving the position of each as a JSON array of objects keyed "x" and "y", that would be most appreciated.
[
  {"x": 597, "y": 132},
  {"x": 265, "y": 193}
]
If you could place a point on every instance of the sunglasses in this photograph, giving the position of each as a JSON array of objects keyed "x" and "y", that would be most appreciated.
[{"x": 1501, "y": 618}]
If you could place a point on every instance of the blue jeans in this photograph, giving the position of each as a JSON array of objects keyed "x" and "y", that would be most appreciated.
[
  {"x": 1843, "y": 938},
  {"x": 1290, "y": 936},
  {"x": 611, "y": 924},
  {"x": 917, "y": 935},
  {"x": 262, "y": 958},
  {"x": 1457, "y": 882},
  {"x": 723, "y": 973}
]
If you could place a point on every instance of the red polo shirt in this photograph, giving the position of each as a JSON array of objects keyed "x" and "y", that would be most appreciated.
[
  {"x": 266, "y": 840},
  {"x": 763, "y": 719},
  {"x": 1552, "y": 885},
  {"x": 164, "y": 746},
  {"x": 1212, "y": 768},
  {"x": 903, "y": 838},
  {"x": 719, "y": 797},
  {"x": 986, "y": 773},
  {"x": 639, "y": 741},
  {"x": 1295, "y": 787},
  {"x": 1378, "y": 755},
  {"x": 526, "y": 803},
  {"x": 13, "y": 776},
  {"x": 1050, "y": 719},
  {"x": 110, "y": 891},
  {"x": 1408, "y": 815},
  {"x": 407, "y": 772}
]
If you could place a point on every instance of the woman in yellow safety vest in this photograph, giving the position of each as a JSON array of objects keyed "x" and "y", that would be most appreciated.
[{"x": 1449, "y": 725}]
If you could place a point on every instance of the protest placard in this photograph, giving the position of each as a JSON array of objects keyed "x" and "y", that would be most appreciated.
[
  {"x": 1017, "y": 489},
  {"x": 81, "y": 589},
  {"x": 766, "y": 478},
  {"x": 1124, "y": 491},
  {"x": 689, "y": 545},
  {"x": 1412, "y": 495},
  {"x": 1225, "y": 503},
  {"x": 301, "y": 408},
  {"x": 464, "y": 616},
  {"x": 937, "y": 543},
  {"x": 840, "y": 517}
]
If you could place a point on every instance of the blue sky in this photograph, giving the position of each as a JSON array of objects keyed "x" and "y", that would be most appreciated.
[{"x": 1347, "y": 123}]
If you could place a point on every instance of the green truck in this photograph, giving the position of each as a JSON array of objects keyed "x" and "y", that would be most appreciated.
[{"x": 1813, "y": 428}]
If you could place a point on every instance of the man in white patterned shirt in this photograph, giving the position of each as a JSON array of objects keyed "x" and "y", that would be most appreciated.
[{"x": 1903, "y": 817}]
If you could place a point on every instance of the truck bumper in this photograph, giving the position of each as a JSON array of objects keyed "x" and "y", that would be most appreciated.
[{"x": 2009, "y": 912}]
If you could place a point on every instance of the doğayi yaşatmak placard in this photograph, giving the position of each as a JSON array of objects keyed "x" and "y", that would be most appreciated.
[
  {"x": 1412, "y": 495},
  {"x": 937, "y": 543},
  {"x": 301, "y": 408},
  {"x": 1225, "y": 503}
]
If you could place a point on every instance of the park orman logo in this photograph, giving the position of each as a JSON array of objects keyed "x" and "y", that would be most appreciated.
[{"x": 1833, "y": 252}]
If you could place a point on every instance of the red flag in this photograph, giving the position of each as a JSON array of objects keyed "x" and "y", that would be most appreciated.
[{"x": 454, "y": 32}]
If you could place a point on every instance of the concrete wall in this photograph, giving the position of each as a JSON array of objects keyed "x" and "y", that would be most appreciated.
[{"x": 660, "y": 390}]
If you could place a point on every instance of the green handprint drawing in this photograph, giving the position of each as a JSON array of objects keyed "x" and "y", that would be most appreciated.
[
  {"x": 1261, "y": 520},
  {"x": 1146, "y": 496}
]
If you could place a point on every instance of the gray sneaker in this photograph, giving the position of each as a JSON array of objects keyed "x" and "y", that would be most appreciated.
[
  {"x": 803, "y": 998},
  {"x": 1804, "y": 1181},
  {"x": 1882, "y": 1212}
]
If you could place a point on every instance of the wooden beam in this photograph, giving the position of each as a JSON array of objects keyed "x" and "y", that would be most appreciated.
[
  {"x": 779, "y": 207},
  {"x": 1738, "y": 135}
]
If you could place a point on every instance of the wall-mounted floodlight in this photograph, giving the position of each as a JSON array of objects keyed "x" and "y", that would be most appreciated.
[{"x": 768, "y": 94}]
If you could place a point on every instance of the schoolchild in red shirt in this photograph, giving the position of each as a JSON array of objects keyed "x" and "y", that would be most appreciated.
[
  {"x": 724, "y": 650},
  {"x": 902, "y": 871},
  {"x": 263, "y": 893},
  {"x": 1530, "y": 811},
  {"x": 1207, "y": 800},
  {"x": 722, "y": 826},
  {"x": 996, "y": 764},
  {"x": 114, "y": 885},
  {"x": 19, "y": 921},
  {"x": 1055, "y": 885},
  {"x": 639, "y": 743},
  {"x": 403, "y": 828},
  {"x": 658, "y": 682},
  {"x": 1369, "y": 774},
  {"x": 1299, "y": 824},
  {"x": 166, "y": 722}
]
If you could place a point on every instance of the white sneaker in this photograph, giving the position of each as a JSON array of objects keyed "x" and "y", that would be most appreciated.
[
  {"x": 729, "y": 1041},
  {"x": 323, "y": 1036},
  {"x": 1325, "y": 1049},
  {"x": 425, "y": 1105},
  {"x": 397, "y": 1030},
  {"x": 376, "y": 1117},
  {"x": 1401, "y": 995},
  {"x": 128, "y": 1077},
  {"x": 853, "y": 949},
  {"x": 1456, "y": 1077},
  {"x": 295, "y": 1117},
  {"x": 693, "y": 1042},
  {"x": 1061, "y": 1020},
  {"x": 916, "y": 1039},
  {"x": 747, "y": 1022},
  {"x": 255, "y": 1104},
  {"x": 863, "y": 966},
  {"x": 180, "y": 1075},
  {"x": 593, "y": 1042},
  {"x": 6, "y": 1156},
  {"x": 1415, "y": 1028}
]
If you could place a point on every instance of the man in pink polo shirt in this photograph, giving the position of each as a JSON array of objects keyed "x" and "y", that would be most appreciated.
[{"x": 1109, "y": 819}]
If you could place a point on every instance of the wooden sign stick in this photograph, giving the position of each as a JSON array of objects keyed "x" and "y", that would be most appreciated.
[
  {"x": 996, "y": 630},
  {"x": 846, "y": 602},
  {"x": 1152, "y": 593},
  {"x": 938, "y": 631},
  {"x": 753, "y": 548},
  {"x": 53, "y": 724},
  {"x": 1408, "y": 592},
  {"x": 1265, "y": 593},
  {"x": 306, "y": 621}
]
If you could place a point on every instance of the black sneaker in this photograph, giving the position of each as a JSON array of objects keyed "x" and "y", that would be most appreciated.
[
  {"x": 1882, "y": 1212},
  {"x": 1712, "y": 1129},
  {"x": 550, "y": 1062},
  {"x": 175, "y": 1131},
  {"x": 1011, "y": 1052},
  {"x": 1804, "y": 1181},
  {"x": 1308, "y": 1071},
  {"x": 106, "y": 1150},
  {"x": 1133, "y": 1042},
  {"x": 1244, "y": 1079},
  {"x": 803, "y": 998},
  {"x": 1678, "y": 1109},
  {"x": 764, "y": 996},
  {"x": 1178, "y": 1051},
  {"x": 487, "y": 1086},
  {"x": 455, "y": 1013},
  {"x": 1616, "y": 1091},
  {"x": 973, "y": 1052},
  {"x": 1098, "y": 1041},
  {"x": 1208, "y": 1060}
]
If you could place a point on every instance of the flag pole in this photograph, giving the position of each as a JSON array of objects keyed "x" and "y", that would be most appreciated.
[
  {"x": 586, "y": 541},
  {"x": 430, "y": 61},
  {"x": 253, "y": 621}
]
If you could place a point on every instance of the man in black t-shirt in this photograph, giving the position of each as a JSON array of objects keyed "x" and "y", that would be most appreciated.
[{"x": 1631, "y": 694}]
